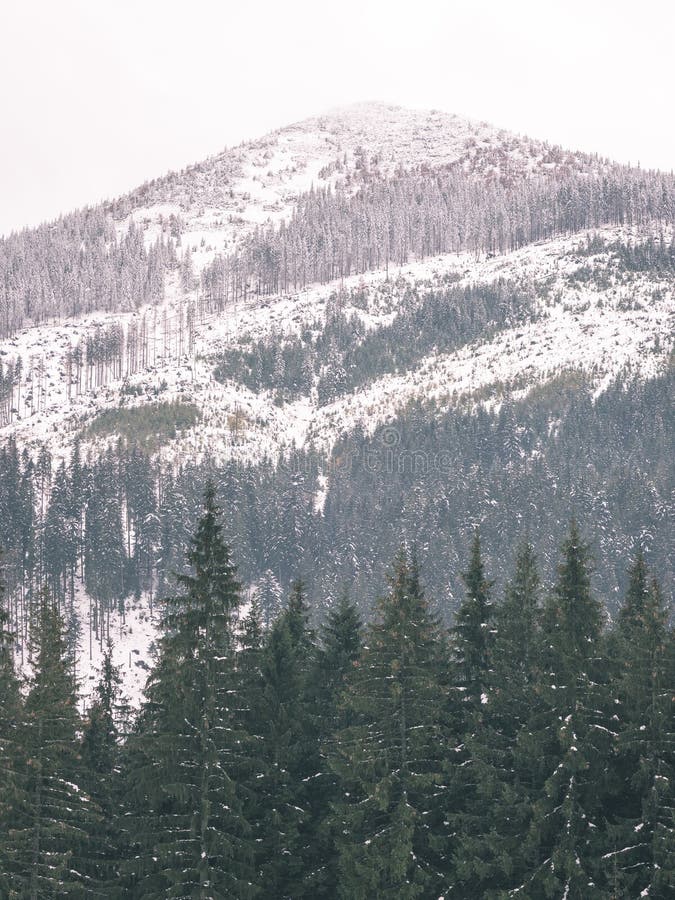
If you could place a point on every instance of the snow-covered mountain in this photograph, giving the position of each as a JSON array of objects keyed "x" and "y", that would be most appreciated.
[
  {"x": 220, "y": 200},
  {"x": 216, "y": 205},
  {"x": 578, "y": 301},
  {"x": 598, "y": 326}
]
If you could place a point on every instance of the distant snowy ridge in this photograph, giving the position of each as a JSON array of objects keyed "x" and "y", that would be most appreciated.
[
  {"x": 222, "y": 198},
  {"x": 598, "y": 329},
  {"x": 163, "y": 338}
]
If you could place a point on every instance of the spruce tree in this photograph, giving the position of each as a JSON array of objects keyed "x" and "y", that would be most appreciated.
[
  {"x": 251, "y": 639},
  {"x": 105, "y": 727},
  {"x": 10, "y": 746},
  {"x": 290, "y": 760},
  {"x": 473, "y": 629},
  {"x": 106, "y": 721},
  {"x": 282, "y": 727},
  {"x": 269, "y": 596},
  {"x": 571, "y": 740},
  {"x": 250, "y": 686},
  {"x": 493, "y": 809},
  {"x": 339, "y": 649},
  {"x": 471, "y": 641},
  {"x": 337, "y": 654},
  {"x": 640, "y": 848},
  {"x": 389, "y": 759},
  {"x": 190, "y": 838},
  {"x": 51, "y": 840}
]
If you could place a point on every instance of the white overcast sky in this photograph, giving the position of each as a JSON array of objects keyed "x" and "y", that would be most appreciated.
[{"x": 96, "y": 97}]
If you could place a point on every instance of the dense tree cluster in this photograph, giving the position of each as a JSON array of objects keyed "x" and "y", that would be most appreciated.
[
  {"x": 652, "y": 254},
  {"x": 527, "y": 751},
  {"x": 340, "y": 354},
  {"x": 334, "y": 233},
  {"x": 119, "y": 521},
  {"x": 76, "y": 265}
]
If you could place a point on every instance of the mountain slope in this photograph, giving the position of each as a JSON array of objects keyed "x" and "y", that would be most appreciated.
[
  {"x": 597, "y": 322},
  {"x": 161, "y": 338},
  {"x": 223, "y": 198}
]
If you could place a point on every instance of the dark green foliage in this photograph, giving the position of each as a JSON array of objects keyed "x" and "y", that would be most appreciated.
[
  {"x": 105, "y": 726},
  {"x": 563, "y": 844},
  {"x": 280, "y": 804},
  {"x": 517, "y": 647},
  {"x": 269, "y": 597},
  {"x": 340, "y": 355},
  {"x": 107, "y": 720},
  {"x": 473, "y": 629},
  {"x": 572, "y": 617},
  {"x": 523, "y": 470},
  {"x": 641, "y": 812},
  {"x": 271, "y": 364},
  {"x": 10, "y": 746},
  {"x": 340, "y": 648},
  {"x": 492, "y": 788},
  {"x": 336, "y": 658},
  {"x": 289, "y": 756},
  {"x": 388, "y": 757},
  {"x": 51, "y": 842},
  {"x": 435, "y": 323},
  {"x": 104, "y": 552},
  {"x": 149, "y": 425},
  {"x": 650, "y": 255},
  {"x": 527, "y": 752},
  {"x": 189, "y": 837}
]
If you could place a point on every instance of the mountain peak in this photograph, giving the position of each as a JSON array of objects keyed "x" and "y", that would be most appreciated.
[
  {"x": 260, "y": 180},
  {"x": 405, "y": 136}
]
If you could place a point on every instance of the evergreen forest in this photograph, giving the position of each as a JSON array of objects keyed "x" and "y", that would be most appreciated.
[{"x": 525, "y": 750}]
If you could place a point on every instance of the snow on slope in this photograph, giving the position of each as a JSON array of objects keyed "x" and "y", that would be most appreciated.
[
  {"x": 132, "y": 636},
  {"x": 577, "y": 325},
  {"x": 596, "y": 325},
  {"x": 590, "y": 336},
  {"x": 220, "y": 200}
]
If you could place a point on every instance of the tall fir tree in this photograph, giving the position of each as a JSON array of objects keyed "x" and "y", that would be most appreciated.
[
  {"x": 640, "y": 850},
  {"x": 496, "y": 804},
  {"x": 574, "y": 739},
  {"x": 105, "y": 726},
  {"x": 10, "y": 745},
  {"x": 389, "y": 760},
  {"x": 472, "y": 638},
  {"x": 338, "y": 652},
  {"x": 52, "y": 843},
  {"x": 288, "y": 737},
  {"x": 190, "y": 837},
  {"x": 339, "y": 649},
  {"x": 473, "y": 629}
]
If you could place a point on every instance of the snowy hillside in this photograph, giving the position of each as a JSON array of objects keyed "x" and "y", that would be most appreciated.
[
  {"x": 595, "y": 327},
  {"x": 186, "y": 372},
  {"x": 220, "y": 200}
]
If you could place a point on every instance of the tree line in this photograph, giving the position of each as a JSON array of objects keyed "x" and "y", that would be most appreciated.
[
  {"x": 87, "y": 261},
  {"x": 333, "y": 233},
  {"x": 341, "y": 354},
  {"x": 114, "y": 522},
  {"x": 528, "y": 750},
  {"x": 76, "y": 265}
]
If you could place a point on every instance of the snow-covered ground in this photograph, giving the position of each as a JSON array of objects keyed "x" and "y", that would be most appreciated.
[
  {"x": 597, "y": 326},
  {"x": 132, "y": 636},
  {"x": 577, "y": 325},
  {"x": 221, "y": 200}
]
